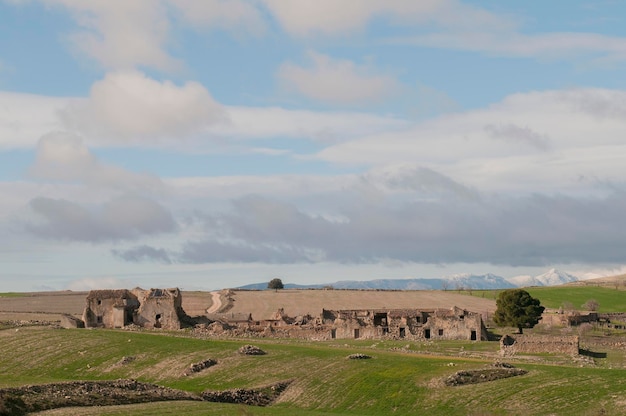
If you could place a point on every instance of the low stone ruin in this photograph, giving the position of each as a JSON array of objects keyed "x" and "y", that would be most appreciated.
[
  {"x": 197, "y": 367},
  {"x": 251, "y": 350},
  {"x": 533, "y": 344},
  {"x": 358, "y": 356},
  {"x": 262, "y": 396},
  {"x": 17, "y": 401},
  {"x": 495, "y": 371}
]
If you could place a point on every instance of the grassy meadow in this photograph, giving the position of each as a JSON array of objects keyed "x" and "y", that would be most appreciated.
[
  {"x": 609, "y": 299},
  {"x": 402, "y": 378}
]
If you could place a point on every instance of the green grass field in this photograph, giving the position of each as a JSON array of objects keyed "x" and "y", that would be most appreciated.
[
  {"x": 399, "y": 382},
  {"x": 610, "y": 299}
]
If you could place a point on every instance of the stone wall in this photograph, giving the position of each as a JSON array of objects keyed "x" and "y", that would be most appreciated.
[{"x": 537, "y": 344}]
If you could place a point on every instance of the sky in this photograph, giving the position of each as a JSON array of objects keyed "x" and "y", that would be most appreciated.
[{"x": 216, "y": 143}]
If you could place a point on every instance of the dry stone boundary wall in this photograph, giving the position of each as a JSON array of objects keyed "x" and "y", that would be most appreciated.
[{"x": 536, "y": 344}]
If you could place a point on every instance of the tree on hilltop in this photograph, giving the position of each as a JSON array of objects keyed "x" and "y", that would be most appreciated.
[
  {"x": 515, "y": 307},
  {"x": 275, "y": 284}
]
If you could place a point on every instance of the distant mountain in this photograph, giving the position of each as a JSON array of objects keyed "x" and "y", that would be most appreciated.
[
  {"x": 487, "y": 281},
  {"x": 524, "y": 281},
  {"x": 555, "y": 277},
  {"x": 484, "y": 281}
]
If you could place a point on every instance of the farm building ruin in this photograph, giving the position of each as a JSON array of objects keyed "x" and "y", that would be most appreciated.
[
  {"x": 437, "y": 324},
  {"x": 162, "y": 308},
  {"x": 153, "y": 308}
]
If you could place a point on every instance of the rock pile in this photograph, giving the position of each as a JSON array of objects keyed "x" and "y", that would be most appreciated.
[
  {"x": 22, "y": 400},
  {"x": 263, "y": 396},
  {"x": 251, "y": 350},
  {"x": 358, "y": 357},
  {"x": 496, "y": 371},
  {"x": 202, "y": 365}
]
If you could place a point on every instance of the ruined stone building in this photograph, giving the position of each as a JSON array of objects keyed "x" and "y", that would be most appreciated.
[
  {"x": 533, "y": 344},
  {"x": 153, "y": 308},
  {"x": 411, "y": 324},
  {"x": 439, "y": 324}
]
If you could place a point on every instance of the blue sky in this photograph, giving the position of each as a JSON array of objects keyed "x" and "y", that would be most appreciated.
[{"x": 224, "y": 142}]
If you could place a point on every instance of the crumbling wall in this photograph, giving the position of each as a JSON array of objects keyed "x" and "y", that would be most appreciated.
[
  {"x": 154, "y": 308},
  {"x": 537, "y": 344},
  {"x": 159, "y": 308},
  {"x": 109, "y": 308},
  {"x": 455, "y": 323},
  {"x": 452, "y": 323}
]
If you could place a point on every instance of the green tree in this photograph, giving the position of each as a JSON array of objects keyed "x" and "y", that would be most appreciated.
[
  {"x": 591, "y": 305},
  {"x": 275, "y": 284},
  {"x": 515, "y": 307}
]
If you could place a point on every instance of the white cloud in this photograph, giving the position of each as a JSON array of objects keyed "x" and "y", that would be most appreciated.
[
  {"x": 551, "y": 46},
  {"x": 232, "y": 15},
  {"x": 130, "y": 107},
  {"x": 337, "y": 81},
  {"x": 324, "y": 127},
  {"x": 64, "y": 157},
  {"x": 122, "y": 35},
  {"x": 24, "y": 118},
  {"x": 540, "y": 141},
  {"x": 141, "y": 111},
  {"x": 329, "y": 17}
]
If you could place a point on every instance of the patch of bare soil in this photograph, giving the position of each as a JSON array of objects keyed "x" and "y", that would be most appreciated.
[
  {"x": 496, "y": 371},
  {"x": 68, "y": 302}
]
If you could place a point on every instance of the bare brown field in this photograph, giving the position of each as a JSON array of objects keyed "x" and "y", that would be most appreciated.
[
  {"x": 50, "y": 305},
  {"x": 45, "y": 303},
  {"x": 261, "y": 304}
]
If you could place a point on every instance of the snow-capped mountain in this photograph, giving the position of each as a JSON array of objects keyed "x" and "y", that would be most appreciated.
[
  {"x": 471, "y": 281},
  {"x": 466, "y": 281},
  {"x": 552, "y": 277},
  {"x": 524, "y": 281},
  {"x": 555, "y": 277}
]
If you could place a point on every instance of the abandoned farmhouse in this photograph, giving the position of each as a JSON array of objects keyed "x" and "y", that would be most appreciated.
[
  {"x": 154, "y": 308},
  {"x": 411, "y": 324},
  {"x": 162, "y": 308}
]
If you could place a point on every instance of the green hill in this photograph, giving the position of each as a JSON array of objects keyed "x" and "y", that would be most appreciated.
[
  {"x": 609, "y": 299},
  {"x": 397, "y": 380}
]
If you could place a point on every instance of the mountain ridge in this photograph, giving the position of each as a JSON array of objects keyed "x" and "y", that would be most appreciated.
[{"x": 488, "y": 281}]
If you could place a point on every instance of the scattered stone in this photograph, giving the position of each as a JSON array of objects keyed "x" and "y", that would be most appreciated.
[
  {"x": 358, "y": 356},
  {"x": 202, "y": 365},
  {"x": 262, "y": 396},
  {"x": 493, "y": 372},
  {"x": 251, "y": 350},
  {"x": 126, "y": 360},
  {"x": 22, "y": 400}
]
